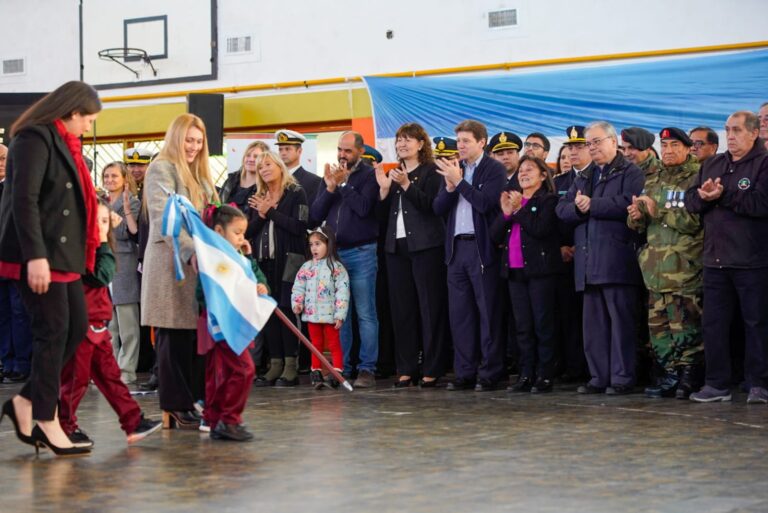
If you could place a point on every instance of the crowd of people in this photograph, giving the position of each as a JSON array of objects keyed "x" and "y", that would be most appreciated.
[{"x": 469, "y": 254}]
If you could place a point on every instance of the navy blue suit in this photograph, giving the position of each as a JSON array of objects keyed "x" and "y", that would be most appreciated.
[
  {"x": 472, "y": 274},
  {"x": 606, "y": 268}
]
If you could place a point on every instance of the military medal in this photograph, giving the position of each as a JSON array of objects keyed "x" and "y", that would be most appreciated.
[
  {"x": 668, "y": 204},
  {"x": 674, "y": 199}
]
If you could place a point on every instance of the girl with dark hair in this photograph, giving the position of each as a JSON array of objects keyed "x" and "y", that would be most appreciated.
[
  {"x": 321, "y": 295},
  {"x": 414, "y": 246},
  {"x": 228, "y": 376},
  {"x": 528, "y": 228},
  {"x": 48, "y": 240}
]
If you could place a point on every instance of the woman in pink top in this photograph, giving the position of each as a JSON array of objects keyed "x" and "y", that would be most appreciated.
[{"x": 528, "y": 228}]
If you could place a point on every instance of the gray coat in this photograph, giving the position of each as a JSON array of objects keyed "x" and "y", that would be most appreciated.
[
  {"x": 166, "y": 303},
  {"x": 125, "y": 284}
]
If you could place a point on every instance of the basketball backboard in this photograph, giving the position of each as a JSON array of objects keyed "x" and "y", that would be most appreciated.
[{"x": 178, "y": 36}]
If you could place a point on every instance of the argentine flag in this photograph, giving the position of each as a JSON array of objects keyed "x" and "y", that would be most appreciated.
[{"x": 236, "y": 313}]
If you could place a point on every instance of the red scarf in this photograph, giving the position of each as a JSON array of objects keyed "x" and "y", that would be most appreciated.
[{"x": 89, "y": 194}]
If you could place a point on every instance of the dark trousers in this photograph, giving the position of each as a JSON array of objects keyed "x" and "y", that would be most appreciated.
[
  {"x": 58, "y": 321},
  {"x": 228, "y": 379},
  {"x": 180, "y": 370},
  {"x": 533, "y": 303},
  {"x": 417, "y": 296},
  {"x": 281, "y": 342},
  {"x": 610, "y": 333},
  {"x": 94, "y": 360},
  {"x": 15, "y": 336},
  {"x": 570, "y": 307},
  {"x": 471, "y": 299},
  {"x": 723, "y": 290}
]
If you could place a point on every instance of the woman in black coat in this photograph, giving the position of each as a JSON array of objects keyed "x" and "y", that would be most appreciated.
[
  {"x": 48, "y": 240},
  {"x": 528, "y": 227},
  {"x": 277, "y": 231},
  {"x": 414, "y": 247}
]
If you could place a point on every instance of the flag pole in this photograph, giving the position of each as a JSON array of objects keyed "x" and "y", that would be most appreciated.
[{"x": 336, "y": 374}]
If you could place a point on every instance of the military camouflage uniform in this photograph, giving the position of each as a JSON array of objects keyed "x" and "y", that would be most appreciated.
[
  {"x": 650, "y": 165},
  {"x": 672, "y": 267}
]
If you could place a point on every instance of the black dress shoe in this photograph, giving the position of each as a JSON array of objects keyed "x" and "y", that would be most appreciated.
[
  {"x": 41, "y": 440},
  {"x": 428, "y": 384},
  {"x": 590, "y": 389},
  {"x": 403, "y": 383},
  {"x": 10, "y": 411},
  {"x": 460, "y": 384},
  {"x": 485, "y": 386},
  {"x": 619, "y": 390},
  {"x": 524, "y": 384},
  {"x": 542, "y": 386},
  {"x": 150, "y": 385}
]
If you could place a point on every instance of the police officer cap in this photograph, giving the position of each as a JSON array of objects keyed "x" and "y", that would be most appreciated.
[
  {"x": 372, "y": 154},
  {"x": 575, "y": 134},
  {"x": 137, "y": 156},
  {"x": 677, "y": 134},
  {"x": 445, "y": 146},
  {"x": 640, "y": 138},
  {"x": 504, "y": 141},
  {"x": 289, "y": 137}
]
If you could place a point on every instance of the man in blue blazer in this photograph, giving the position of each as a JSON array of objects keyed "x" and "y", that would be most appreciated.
[{"x": 469, "y": 201}]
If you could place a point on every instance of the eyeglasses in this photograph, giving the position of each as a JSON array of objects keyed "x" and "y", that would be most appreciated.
[
  {"x": 699, "y": 144},
  {"x": 533, "y": 145},
  {"x": 595, "y": 142}
]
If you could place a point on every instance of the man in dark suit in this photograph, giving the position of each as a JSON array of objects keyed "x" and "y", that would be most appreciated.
[
  {"x": 469, "y": 201},
  {"x": 505, "y": 147},
  {"x": 289, "y": 146},
  {"x": 606, "y": 267}
]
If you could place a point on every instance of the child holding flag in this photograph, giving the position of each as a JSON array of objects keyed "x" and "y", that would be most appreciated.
[
  {"x": 228, "y": 376},
  {"x": 321, "y": 295}
]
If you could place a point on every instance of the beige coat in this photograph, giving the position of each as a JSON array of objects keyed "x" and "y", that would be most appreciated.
[{"x": 166, "y": 303}]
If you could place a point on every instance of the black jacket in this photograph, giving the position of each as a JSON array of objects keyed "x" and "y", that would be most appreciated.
[
  {"x": 290, "y": 218},
  {"x": 310, "y": 182},
  {"x": 563, "y": 182},
  {"x": 230, "y": 186},
  {"x": 350, "y": 210},
  {"x": 42, "y": 212},
  {"x": 539, "y": 236},
  {"x": 424, "y": 229},
  {"x": 736, "y": 224}
]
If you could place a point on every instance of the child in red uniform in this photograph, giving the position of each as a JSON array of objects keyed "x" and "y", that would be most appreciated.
[
  {"x": 228, "y": 376},
  {"x": 94, "y": 358}
]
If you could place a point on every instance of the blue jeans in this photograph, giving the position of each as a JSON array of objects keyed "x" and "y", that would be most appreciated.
[
  {"x": 15, "y": 337},
  {"x": 361, "y": 264}
]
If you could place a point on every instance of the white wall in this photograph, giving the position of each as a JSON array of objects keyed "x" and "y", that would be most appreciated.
[{"x": 314, "y": 39}]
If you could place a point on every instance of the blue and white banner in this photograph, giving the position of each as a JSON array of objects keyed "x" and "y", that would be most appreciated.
[{"x": 236, "y": 312}]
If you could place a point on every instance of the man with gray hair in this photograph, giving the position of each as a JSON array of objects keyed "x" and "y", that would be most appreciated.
[
  {"x": 731, "y": 196},
  {"x": 762, "y": 115},
  {"x": 605, "y": 261}
]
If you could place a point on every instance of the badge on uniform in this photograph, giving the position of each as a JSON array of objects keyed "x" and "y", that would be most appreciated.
[
  {"x": 744, "y": 184},
  {"x": 668, "y": 204}
]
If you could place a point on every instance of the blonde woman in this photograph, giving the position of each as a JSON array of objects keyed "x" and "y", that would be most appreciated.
[
  {"x": 241, "y": 184},
  {"x": 124, "y": 326},
  {"x": 277, "y": 225},
  {"x": 170, "y": 307}
]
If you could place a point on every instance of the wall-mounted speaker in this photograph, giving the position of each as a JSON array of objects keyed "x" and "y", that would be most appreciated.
[{"x": 209, "y": 108}]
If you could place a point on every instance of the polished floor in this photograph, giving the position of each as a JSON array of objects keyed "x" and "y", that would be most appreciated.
[{"x": 412, "y": 450}]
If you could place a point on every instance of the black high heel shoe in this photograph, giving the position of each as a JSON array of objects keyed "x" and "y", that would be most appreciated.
[
  {"x": 40, "y": 439},
  {"x": 404, "y": 383},
  {"x": 9, "y": 411},
  {"x": 428, "y": 384}
]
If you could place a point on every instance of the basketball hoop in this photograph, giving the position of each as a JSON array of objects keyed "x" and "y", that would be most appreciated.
[{"x": 123, "y": 55}]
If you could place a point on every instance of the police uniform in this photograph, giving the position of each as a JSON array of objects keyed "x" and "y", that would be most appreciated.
[
  {"x": 372, "y": 155},
  {"x": 569, "y": 302},
  {"x": 506, "y": 141},
  {"x": 671, "y": 265},
  {"x": 308, "y": 181},
  {"x": 445, "y": 148}
]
